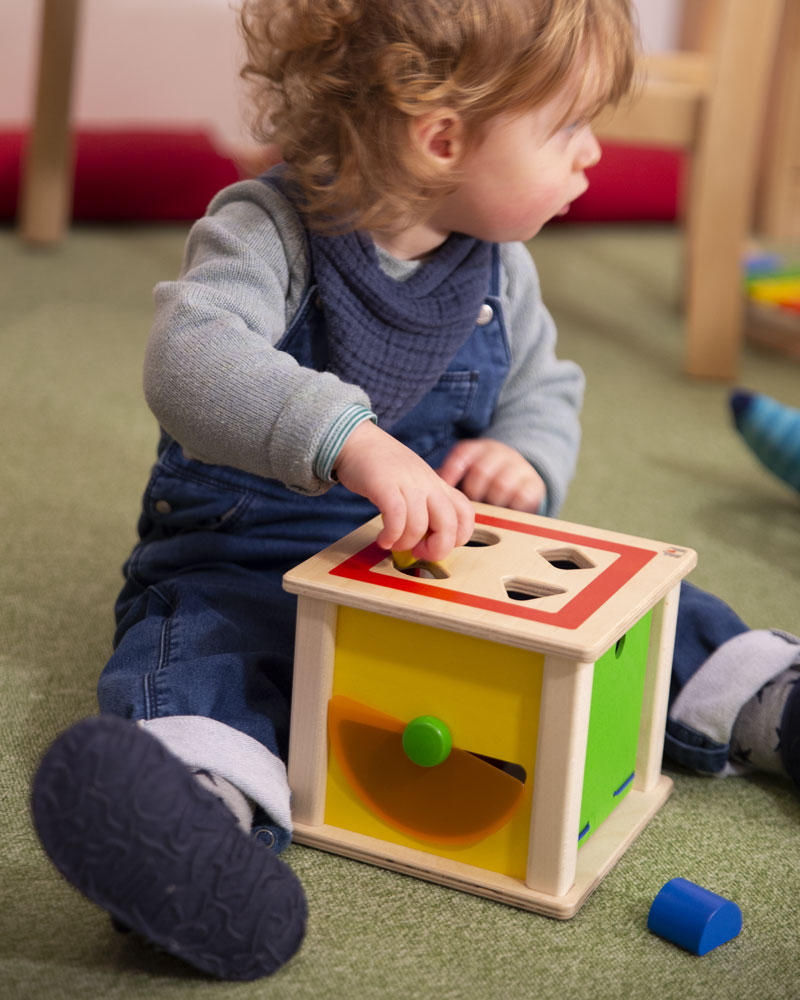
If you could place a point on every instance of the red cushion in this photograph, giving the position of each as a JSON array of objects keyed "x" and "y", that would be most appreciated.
[
  {"x": 631, "y": 184},
  {"x": 134, "y": 175},
  {"x": 10, "y": 144}
]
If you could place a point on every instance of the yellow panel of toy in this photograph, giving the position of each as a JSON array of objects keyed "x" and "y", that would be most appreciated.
[{"x": 475, "y": 805}]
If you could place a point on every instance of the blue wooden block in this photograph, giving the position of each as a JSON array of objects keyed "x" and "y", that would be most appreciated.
[{"x": 693, "y": 917}]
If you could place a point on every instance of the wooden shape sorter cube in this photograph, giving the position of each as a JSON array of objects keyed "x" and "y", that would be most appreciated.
[{"x": 496, "y": 727}]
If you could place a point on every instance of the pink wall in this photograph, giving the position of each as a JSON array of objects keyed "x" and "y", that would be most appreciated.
[{"x": 167, "y": 61}]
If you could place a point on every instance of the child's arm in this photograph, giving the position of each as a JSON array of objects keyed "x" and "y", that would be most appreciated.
[
  {"x": 527, "y": 456},
  {"x": 214, "y": 377},
  {"x": 420, "y": 510}
]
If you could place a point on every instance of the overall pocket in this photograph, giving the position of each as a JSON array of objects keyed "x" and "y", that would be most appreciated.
[{"x": 186, "y": 495}]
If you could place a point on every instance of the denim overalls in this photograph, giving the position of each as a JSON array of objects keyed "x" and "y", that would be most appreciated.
[{"x": 204, "y": 626}]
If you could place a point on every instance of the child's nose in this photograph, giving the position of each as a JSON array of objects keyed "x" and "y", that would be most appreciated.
[{"x": 590, "y": 152}]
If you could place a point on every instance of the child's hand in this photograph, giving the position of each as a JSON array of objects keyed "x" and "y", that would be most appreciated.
[
  {"x": 420, "y": 511},
  {"x": 495, "y": 473}
]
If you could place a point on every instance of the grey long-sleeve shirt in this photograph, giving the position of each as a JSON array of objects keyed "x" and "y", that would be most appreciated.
[{"x": 216, "y": 382}]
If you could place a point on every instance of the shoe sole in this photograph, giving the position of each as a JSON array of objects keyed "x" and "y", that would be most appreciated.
[
  {"x": 790, "y": 733},
  {"x": 127, "y": 825}
]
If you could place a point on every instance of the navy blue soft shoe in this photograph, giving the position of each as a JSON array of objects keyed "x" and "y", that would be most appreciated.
[
  {"x": 125, "y": 822},
  {"x": 790, "y": 733}
]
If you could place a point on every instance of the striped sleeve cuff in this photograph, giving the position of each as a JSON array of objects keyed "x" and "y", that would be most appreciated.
[{"x": 340, "y": 430}]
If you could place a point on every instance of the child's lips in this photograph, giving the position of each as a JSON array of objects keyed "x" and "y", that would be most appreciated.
[{"x": 565, "y": 208}]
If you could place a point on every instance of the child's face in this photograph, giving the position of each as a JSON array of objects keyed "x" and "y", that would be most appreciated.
[{"x": 526, "y": 169}]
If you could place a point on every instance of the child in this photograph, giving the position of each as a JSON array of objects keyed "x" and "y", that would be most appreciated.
[{"x": 358, "y": 331}]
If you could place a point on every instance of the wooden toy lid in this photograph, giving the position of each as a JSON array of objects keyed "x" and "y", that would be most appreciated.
[{"x": 524, "y": 580}]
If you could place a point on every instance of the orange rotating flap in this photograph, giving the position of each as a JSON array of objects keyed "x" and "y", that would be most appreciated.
[{"x": 456, "y": 803}]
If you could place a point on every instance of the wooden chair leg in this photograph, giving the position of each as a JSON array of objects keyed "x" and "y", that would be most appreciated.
[
  {"x": 778, "y": 216},
  {"x": 723, "y": 186},
  {"x": 47, "y": 181},
  {"x": 697, "y": 23}
]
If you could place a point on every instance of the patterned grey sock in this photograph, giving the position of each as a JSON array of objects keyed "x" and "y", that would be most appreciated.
[
  {"x": 236, "y": 801},
  {"x": 756, "y": 734}
]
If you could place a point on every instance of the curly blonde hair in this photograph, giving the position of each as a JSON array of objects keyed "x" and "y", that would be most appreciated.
[{"x": 336, "y": 84}]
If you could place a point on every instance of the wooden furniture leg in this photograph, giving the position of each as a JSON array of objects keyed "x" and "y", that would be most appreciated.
[
  {"x": 723, "y": 185},
  {"x": 47, "y": 181},
  {"x": 779, "y": 189}
]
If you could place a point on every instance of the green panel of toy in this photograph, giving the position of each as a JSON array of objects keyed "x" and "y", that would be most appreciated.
[{"x": 617, "y": 692}]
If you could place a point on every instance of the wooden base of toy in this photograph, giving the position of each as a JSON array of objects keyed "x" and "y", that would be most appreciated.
[{"x": 595, "y": 858}]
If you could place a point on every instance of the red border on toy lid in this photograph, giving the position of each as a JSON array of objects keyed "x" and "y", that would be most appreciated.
[{"x": 589, "y": 599}]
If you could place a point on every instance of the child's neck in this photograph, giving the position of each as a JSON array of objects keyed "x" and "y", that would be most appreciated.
[{"x": 413, "y": 243}]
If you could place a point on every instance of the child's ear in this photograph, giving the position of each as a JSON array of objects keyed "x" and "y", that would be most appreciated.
[{"x": 439, "y": 135}]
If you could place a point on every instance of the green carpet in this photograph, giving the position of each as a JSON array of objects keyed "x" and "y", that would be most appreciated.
[{"x": 660, "y": 459}]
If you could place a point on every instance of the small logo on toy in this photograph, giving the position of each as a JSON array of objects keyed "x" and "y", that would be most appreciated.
[{"x": 674, "y": 551}]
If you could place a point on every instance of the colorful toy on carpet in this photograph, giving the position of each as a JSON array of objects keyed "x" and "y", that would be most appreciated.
[
  {"x": 772, "y": 430},
  {"x": 494, "y": 723},
  {"x": 772, "y": 285},
  {"x": 773, "y": 280}
]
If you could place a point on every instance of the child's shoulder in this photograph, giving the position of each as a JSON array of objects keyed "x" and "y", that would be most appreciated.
[
  {"x": 519, "y": 275},
  {"x": 257, "y": 208},
  {"x": 254, "y": 218}
]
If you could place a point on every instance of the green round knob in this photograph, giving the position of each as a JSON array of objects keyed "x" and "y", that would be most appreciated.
[{"x": 427, "y": 741}]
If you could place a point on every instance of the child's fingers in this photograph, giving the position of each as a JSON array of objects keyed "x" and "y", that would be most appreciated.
[
  {"x": 483, "y": 480},
  {"x": 440, "y": 538},
  {"x": 417, "y": 521},
  {"x": 528, "y": 497},
  {"x": 482, "y": 468},
  {"x": 458, "y": 460},
  {"x": 507, "y": 480},
  {"x": 405, "y": 519},
  {"x": 413, "y": 501},
  {"x": 465, "y": 514},
  {"x": 393, "y": 511},
  {"x": 517, "y": 486},
  {"x": 429, "y": 525},
  {"x": 451, "y": 519}
]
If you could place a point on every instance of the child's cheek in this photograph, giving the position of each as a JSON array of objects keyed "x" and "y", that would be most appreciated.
[{"x": 536, "y": 207}]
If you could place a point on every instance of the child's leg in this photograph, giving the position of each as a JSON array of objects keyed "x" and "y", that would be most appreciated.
[
  {"x": 129, "y": 826},
  {"x": 734, "y": 696},
  {"x": 201, "y": 682},
  {"x": 203, "y": 661},
  {"x": 203, "y": 664},
  {"x": 150, "y": 815}
]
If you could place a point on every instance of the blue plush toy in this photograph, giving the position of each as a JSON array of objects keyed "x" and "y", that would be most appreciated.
[{"x": 772, "y": 430}]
